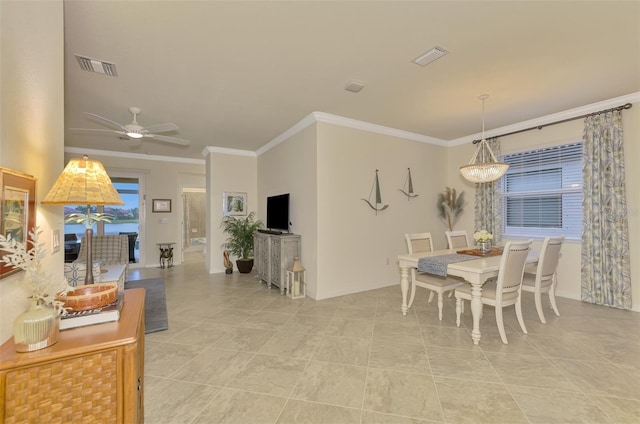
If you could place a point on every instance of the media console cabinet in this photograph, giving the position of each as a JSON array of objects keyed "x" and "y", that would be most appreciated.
[
  {"x": 273, "y": 254},
  {"x": 93, "y": 374}
]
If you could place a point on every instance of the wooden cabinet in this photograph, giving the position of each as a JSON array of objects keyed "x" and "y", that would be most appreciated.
[
  {"x": 273, "y": 254},
  {"x": 92, "y": 374}
]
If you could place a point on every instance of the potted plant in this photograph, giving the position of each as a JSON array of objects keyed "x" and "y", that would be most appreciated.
[{"x": 240, "y": 241}]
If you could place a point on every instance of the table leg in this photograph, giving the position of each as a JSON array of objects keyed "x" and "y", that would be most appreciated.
[
  {"x": 404, "y": 286},
  {"x": 476, "y": 310}
]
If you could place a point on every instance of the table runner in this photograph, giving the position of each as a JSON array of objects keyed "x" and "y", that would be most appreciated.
[{"x": 438, "y": 264}]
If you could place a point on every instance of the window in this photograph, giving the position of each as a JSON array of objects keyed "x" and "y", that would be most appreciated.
[{"x": 542, "y": 192}]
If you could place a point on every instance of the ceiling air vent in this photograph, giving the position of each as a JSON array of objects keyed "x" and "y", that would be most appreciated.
[
  {"x": 97, "y": 65},
  {"x": 429, "y": 56},
  {"x": 354, "y": 86}
]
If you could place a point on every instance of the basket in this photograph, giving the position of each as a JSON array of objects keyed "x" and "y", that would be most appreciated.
[{"x": 90, "y": 296}]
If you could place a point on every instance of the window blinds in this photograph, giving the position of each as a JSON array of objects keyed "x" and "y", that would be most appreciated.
[{"x": 542, "y": 192}]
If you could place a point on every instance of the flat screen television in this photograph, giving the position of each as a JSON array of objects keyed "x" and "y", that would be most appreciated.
[{"x": 278, "y": 212}]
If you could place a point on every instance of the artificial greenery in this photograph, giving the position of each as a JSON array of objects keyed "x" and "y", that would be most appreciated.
[
  {"x": 241, "y": 231},
  {"x": 450, "y": 206},
  {"x": 88, "y": 219},
  {"x": 37, "y": 282}
]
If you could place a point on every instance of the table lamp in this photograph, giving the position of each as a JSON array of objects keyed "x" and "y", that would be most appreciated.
[{"x": 84, "y": 182}]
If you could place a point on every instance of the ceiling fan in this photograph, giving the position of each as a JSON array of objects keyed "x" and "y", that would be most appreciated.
[{"x": 135, "y": 130}]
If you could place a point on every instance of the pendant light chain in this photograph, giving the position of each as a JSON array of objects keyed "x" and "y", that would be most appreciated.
[{"x": 483, "y": 172}]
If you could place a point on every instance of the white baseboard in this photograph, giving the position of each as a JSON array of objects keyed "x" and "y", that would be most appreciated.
[{"x": 357, "y": 289}]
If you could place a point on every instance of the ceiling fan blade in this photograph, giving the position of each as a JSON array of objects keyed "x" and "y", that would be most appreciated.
[
  {"x": 152, "y": 129},
  {"x": 106, "y": 121},
  {"x": 94, "y": 130},
  {"x": 168, "y": 139}
]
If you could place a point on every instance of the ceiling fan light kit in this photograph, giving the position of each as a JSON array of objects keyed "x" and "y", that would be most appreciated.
[
  {"x": 135, "y": 130},
  {"x": 484, "y": 171}
]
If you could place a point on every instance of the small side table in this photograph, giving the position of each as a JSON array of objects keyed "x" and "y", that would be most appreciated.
[{"x": 166, "y": 254}]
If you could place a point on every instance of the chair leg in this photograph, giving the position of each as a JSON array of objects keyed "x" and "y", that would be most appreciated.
[
  {"x": 552, "y": 297},
  {"x": 459, "y": 306},
  {"x": 519, "y": 315},
  {"x": 440, "y": 305},
  {"x": 430, "y": 296},
  {"x": 413, "y": 294},
  {"x": 538, "y": 298},
  {"x": 500, "y": 324}
]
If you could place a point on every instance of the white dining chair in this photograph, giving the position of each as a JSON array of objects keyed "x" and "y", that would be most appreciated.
[
  {"x": 505, "y": 291},
  {"x": 422, "y": 242},
  {"x": 542, "y": 278},
  {"x": 457, "y": 239}
]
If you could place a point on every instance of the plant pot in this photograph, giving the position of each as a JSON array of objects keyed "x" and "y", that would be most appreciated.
[{"x": 244, "y": 265}]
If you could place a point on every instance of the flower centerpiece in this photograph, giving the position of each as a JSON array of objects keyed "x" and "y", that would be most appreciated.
[
  {"x": 38, "y": 327},
  {"x": 483, "y": 239}
]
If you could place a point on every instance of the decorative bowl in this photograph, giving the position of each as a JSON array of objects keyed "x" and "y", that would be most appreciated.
[{"x": 90, "y": 296}]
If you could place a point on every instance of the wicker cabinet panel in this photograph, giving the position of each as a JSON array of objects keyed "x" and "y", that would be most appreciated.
[
  {"x": 273, "y": 254},
  {"x": 93, "y": 374},
  {"x": 52, "y": 391}
]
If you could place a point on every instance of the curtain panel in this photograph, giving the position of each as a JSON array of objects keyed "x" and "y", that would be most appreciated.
[
  {"x": 488, "y": 202},
  {"x": 605, "y": 268}
]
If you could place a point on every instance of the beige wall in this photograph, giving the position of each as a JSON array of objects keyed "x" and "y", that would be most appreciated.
[
  {"x": 569, "y": 267},
  {"x": 291, "y": 167},
  {"x": 226, "y": 173},
  {"x": 346, "y": 247},
  {"x": 32, "y": 122},
  {"x": 357, "y": 249}
]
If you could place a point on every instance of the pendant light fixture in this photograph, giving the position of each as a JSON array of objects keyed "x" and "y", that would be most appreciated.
[{"x": 483, "y": 171}]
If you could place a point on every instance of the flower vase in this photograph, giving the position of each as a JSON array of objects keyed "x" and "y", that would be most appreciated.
[
  {"x": 36, "y": 328},
  {"x": 484, "y": 247}
]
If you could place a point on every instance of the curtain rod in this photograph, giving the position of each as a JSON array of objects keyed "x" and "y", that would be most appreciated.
[{"x": 539, "y": 127}]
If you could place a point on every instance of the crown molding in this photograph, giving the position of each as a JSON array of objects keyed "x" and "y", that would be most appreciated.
[
  {"x": 110, "y": 153},
  {"x": 544, "y": 120},
  {"x": 226, "y": 151},
  {"x": 328, "y": 118},
  {"x": 302, "y": 124},
  {"x": 375, "y": 128}
]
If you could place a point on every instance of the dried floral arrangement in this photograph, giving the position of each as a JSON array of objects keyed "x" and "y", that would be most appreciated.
[
  {"x": 40, "y": 285},
  {"x": 450, "y": 206}
]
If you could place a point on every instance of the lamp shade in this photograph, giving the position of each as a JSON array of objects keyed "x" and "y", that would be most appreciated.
[
  {"x": 83, "y": 182},
  {"x": 487, "y": 168},
  {"x": 484, "y": 172}
]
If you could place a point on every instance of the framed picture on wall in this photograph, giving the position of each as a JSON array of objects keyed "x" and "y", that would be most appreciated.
[
  {"x": 17, "y": 209},
  {"x": 234, "y": 203},
  {"x": 161, "y": 205}
]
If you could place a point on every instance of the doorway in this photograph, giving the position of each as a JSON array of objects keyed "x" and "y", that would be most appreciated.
[
  {"x": 194, "y": 230},
  {"x": 128, "y": 219}
]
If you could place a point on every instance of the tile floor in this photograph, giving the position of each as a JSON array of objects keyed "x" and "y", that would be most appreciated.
[{"x": 236, "y": 352}]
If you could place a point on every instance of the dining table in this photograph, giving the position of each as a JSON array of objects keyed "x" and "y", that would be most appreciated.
[{"x": 475, "y": 270}]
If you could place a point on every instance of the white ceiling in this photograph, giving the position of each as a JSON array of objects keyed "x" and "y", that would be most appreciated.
[{"x": 238, "y": 74}]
